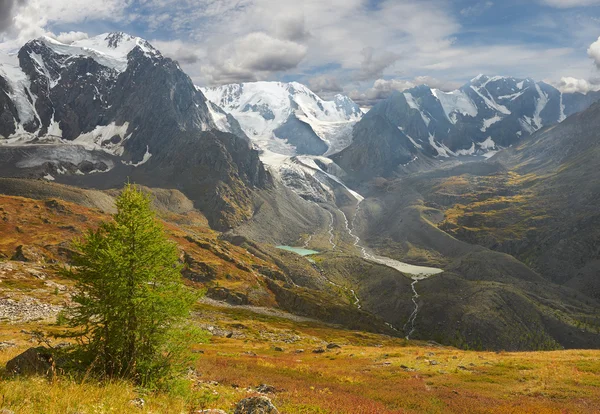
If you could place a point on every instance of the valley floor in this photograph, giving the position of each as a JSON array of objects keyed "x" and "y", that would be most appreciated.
[{"x": 367, "y": 373}]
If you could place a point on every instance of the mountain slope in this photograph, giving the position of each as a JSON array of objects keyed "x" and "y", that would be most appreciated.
[
  {"x": 537, "y": 201},
  {"x": 114, "y": 105},
  {"x": 288, "y": 118}
]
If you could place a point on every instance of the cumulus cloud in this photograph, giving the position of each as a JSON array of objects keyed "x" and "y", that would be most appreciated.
[
  {"x": 70, "y": 37},
  {"x": 252, "y": 57},
  {"x": 224, "y": 41},
  {"x": 184, "y": 53},
  {"x": 325, "y": 85},
  {"x": 570, "y": 85},
  {"x": 565, "y": 4},
  {"x": 594, "y": 52},
  {"x": 373, "y": 63},
  {"x": 292, "y": 28},
  {"x": 24, "y": 20}
]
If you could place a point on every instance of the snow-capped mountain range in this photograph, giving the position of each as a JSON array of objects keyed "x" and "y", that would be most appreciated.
[
  {"x": 288, "y": 118},
  {"x": 101, "y": 110},
  {"x": 114, "y": 104},
  {"x": 486, "y": 114},
  {"x": 79, "y": 93}
]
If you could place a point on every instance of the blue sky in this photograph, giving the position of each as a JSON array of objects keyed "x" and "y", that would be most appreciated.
[{"x": 364, "y": 48}]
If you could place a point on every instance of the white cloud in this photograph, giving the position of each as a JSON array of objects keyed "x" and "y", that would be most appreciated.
[
  {"x": 253, "y": 57},
  {"x": 70, "y": 37},
  {"x": 348, "y": 42},
  {"x": 325, "y": 85},
  {"x": 8, "y": 8},
  {"x": 570, "y": 85},
  {"x": 565, "y": 4},
  {"x": 374, "y": 64},
  {"x": 184, "y": 53},
  {"x": 594, "y": 52},
  {"x": 33, "y": 18}
]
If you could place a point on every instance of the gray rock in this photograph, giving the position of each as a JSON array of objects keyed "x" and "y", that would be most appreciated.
[
  {"x": 256, "y": 405},
  {"x": 318, "y": 351},
  {"x": 138, "y": 402},
  {"x": 34, "y": 361},
  {"x": 333, "y": 346},
  {"x": 6, "y": 345},
  {"x": 266, "y": 389}
]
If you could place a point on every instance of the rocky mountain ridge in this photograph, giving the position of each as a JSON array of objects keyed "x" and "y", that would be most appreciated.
[
  {"x": 100, "y": 110},
  {"x": 422, "y": 124}
]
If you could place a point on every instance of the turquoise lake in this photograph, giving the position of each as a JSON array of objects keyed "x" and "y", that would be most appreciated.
[{"x": 298, "y": 250}]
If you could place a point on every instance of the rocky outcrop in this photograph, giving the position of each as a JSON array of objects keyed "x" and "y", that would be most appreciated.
[
  {"x": 26, "y": 309},
  {"x": 256, "y": 405}
]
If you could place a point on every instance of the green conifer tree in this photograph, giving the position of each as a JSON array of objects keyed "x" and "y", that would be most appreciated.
[{"x": 131, "y": 302}]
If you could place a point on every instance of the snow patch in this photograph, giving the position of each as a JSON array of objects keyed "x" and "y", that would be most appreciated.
[
  {"x": 469, "y": 151},
  {"x": 487, "y": 144},
  {"x": 489, "y": 122},
  {"x": 144, "y": 160},
  {"x": 455, "y": 102},
  {"x": 441, "y": 149},
  {"x": 99, "y": 138},
  {"x": 410, "y": 100},
  {"x": 540, "y": 104},
  {"x": 219, "y": 117},
  {"x": 490, "y": 102},
  {"x": 19, "y": 85},
  {"x": 411, "y": 139}
]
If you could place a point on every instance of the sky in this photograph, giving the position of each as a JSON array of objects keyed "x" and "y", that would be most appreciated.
[{"x": 362, "y": 48}]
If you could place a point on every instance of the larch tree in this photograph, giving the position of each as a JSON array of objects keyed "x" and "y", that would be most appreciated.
[{"x": 131, "y": 303}]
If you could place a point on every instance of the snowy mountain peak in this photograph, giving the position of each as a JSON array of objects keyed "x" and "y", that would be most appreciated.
[
  {"x": 288, "y": 118},
  {"x": 109, "y": 49}
]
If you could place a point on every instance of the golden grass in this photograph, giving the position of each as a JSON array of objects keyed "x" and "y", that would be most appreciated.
[{"x": 369, "y": 374}]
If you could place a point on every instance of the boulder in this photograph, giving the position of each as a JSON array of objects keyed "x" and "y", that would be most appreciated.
[
  {"x": 333, "y": 346},
  {"x": 34, "y": 361},
  {"x": 256, "y": 405},
  {"x": 28, "y": 254},
  {"x": 211, "y": 411}
]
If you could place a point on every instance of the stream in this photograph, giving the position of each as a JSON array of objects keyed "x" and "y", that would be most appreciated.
[{"x": 417, "y": 273}]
